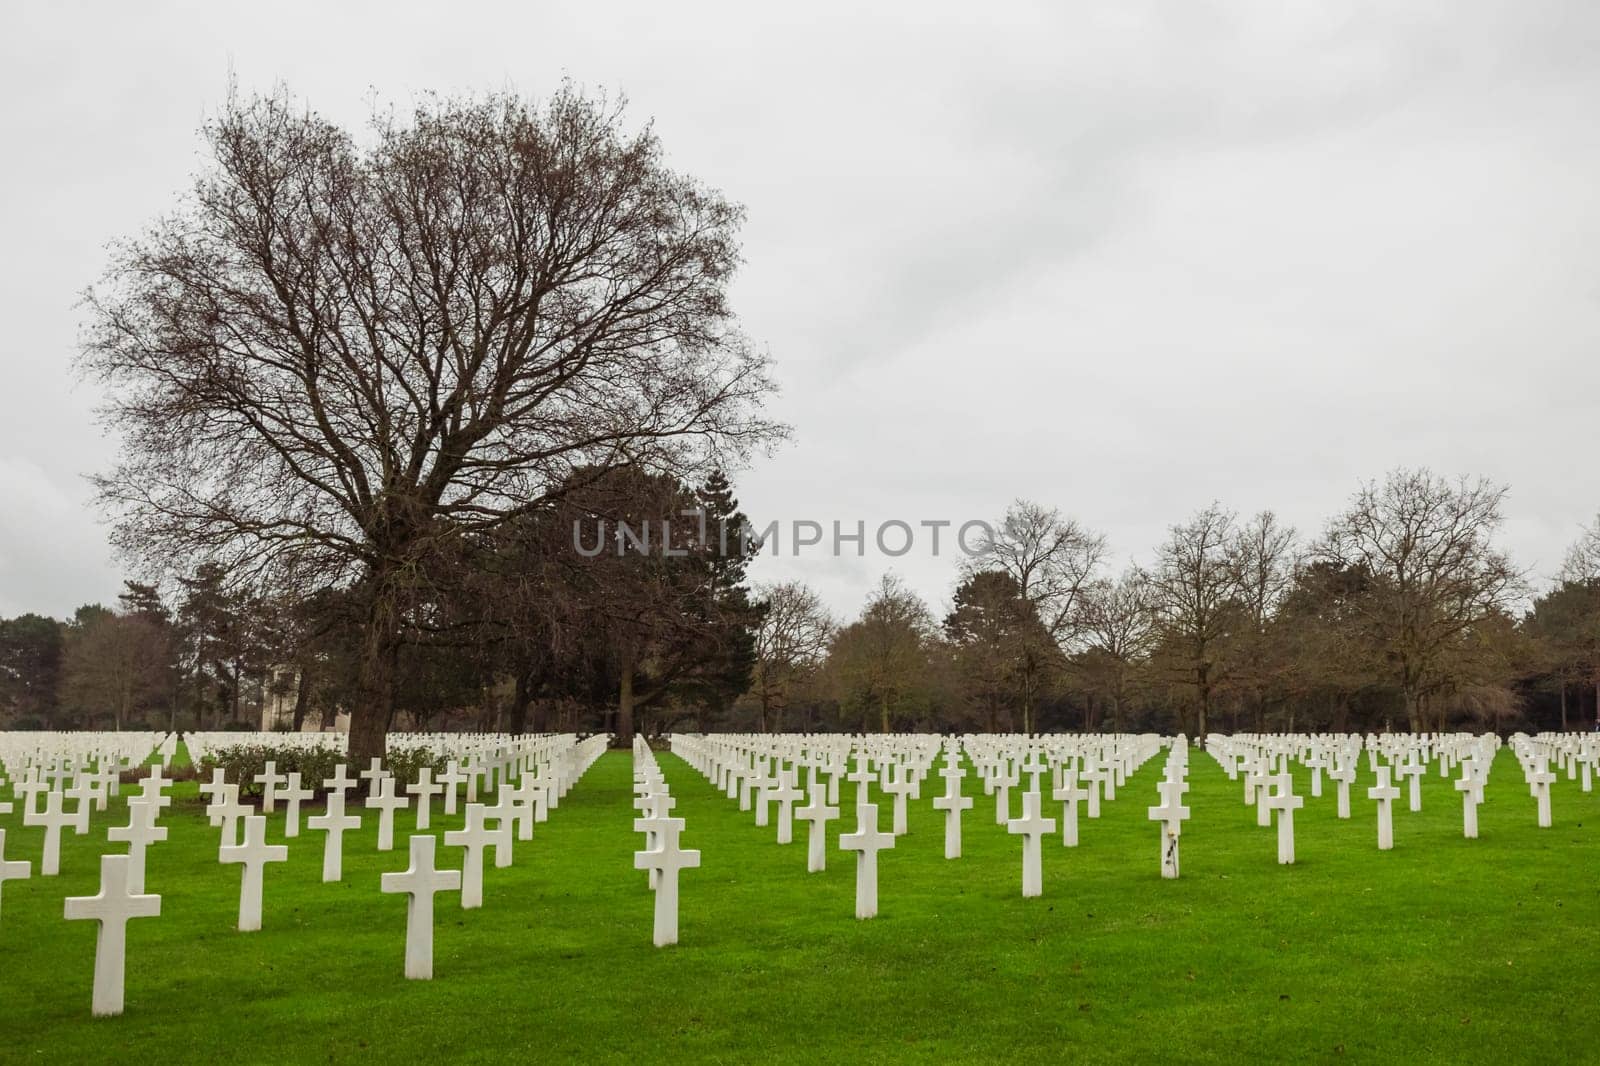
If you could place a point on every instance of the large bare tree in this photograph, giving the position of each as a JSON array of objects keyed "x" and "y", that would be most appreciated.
[
  {"x": 336, "y": 355},
  {"x": 1435, "y": 576},
  {"x": 791, "y": 645},
  {"x": 1196, "y": 592},
  {"x": 882, "y": 657},
  {"x": 1119, "y": 634},
  {"x": 1265, "y": 560},
  {"x": 1053, "y": 560}
]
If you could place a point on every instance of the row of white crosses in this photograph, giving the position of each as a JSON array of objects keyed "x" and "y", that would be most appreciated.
[
  {"x": 1171, "y": 812},
  {"x": 762, "y": 770},
  {"x": 122, "y": 896},
  {"x": 1393, "y": 759},
  {"x": 662, "y": 855}
]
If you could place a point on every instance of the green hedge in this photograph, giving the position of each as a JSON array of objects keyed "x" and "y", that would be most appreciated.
[{"x": 241, "y": 763}]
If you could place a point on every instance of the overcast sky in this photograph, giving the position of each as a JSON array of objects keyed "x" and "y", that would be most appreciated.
[{"x": 1119, "y": 258}]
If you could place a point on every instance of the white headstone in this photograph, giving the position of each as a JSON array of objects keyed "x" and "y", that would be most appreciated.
[
  {"x": 140, "y": 832},
  {"x": 113, "y": 907},
  {"x": 335, "y": 823},
  {"x": 253, "y": 855},
  {"x": 421, "y": 881},
  {"x": 818, "y": 814},
  {"x": 1031, "y": 827},
  {"x": 866, "y": 841},
  {"x": 953, "y": 802},
  {"x": 1285, "y": 802},
  {"x": 666, "y": 859},
  {"x": 474, "y": 837},
  {"x": 1385, "y": 794},
  {"x": 11, "y": 869}
]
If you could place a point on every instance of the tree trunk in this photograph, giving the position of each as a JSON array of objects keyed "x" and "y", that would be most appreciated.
[
  {"x": 302, "y": 699},
  {"x": 1563, "y": 706},
  {"x": 883, "y": 712},
  {"x": 375, "y": 677},
  {"x": 517, "y": 718},
  {"x": 625, "y": 705}
]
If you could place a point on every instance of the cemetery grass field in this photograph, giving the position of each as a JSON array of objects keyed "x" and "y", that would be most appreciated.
[{"x": 1443, "y": 950}]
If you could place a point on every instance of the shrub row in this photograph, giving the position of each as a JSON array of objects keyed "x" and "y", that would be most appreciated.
[{"x": 242, "y": 763}]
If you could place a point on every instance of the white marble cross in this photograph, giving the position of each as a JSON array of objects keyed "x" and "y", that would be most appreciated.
[
  {"x": 1344, "y": 775},
  {"x": 386, "y": 801},
  {"x": 1471, "y": 788},
  {"x": 665, "y": 860},
  {"x": 424, "y": 790},
  {"x": 335, "y": 822},
  {"x": 504, "y": 834},
  {"x": 818, "y": 814},
  {"x": 420, "y": 882},
  {"x": 1316, "y": 764},
  {"x": 474, "y": 837},
  {"x": 293, "y": 794},
  {"x": 1090, "y": 776},
  {"x": 153, "y": 789},
  {"x": 451, "y": 779},
  {"x": 113, "y": 908},
  {"x": 1412, "y": 771},
  {"x": 1171, "y": 813},
  {"x": 862, "y": 777},
  {"x": 12, "y": 869},
  {"x": 253, "y": 855},
  {"x": 1003, "y": 781},
  {"x": 899, "y": 785},
  {"x": 1068, "y": 796},
  {"x": 866, "y": 841},
  {"x": 1034, "y": 769},
  {"x": 952, "y": 803},
  {"x": 1031, "y": 827},
  {"x": 226, "y": 813},
  {"x": 784, "y": 796},
  {"x": 1285, "y": 802},
  {"x": 140, "y": 832},
  {"x": 1385, "y": 794},
  {"x": 1539, "y": 780},
  {"x": 373, "y": 774},
  {"x": 763, "y": 781},
  {"x": 28, "y": 790},
  {"x": 339, "y": 783},
  {"x": 54, "y": 819},
  {"x": 213, "y": 789},
  {"x": 527, "y": 795},
  {"x": 269, "y": 780}
]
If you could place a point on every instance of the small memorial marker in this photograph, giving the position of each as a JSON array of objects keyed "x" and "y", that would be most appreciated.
[
  {"x": 335, "y": 822},
  {"x": 866, "y": 842},
  {"x": 1031, "y": 827},
  {"x": 253, "y": 855},
  {"x": 818, "y": 813},
  {"x": 113, "y": 907},
  {"x": 665, "y": 860},
  {"x": 420, "y": 882},
  {"x": 1385, "y": 794}
]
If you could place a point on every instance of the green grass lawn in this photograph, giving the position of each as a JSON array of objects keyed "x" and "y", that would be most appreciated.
[{"x": 1443, "y": 950}]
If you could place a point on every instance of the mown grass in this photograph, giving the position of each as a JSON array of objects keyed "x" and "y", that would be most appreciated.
[{"x": 1443, "y": 950}]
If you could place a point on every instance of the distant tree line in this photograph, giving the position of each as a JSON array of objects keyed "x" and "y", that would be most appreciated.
[{"x": 1402, "y": 614}]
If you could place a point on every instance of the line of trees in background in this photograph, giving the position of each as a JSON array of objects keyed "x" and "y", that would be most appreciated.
[{"x": 1402, "y": 614}]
